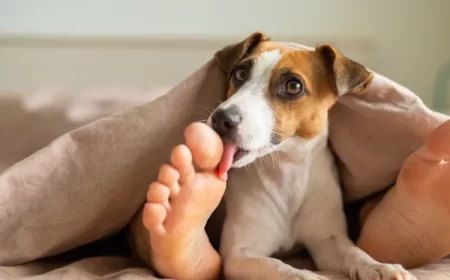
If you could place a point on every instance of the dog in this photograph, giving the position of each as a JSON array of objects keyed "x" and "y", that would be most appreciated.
[{"x": 276, "y": 111}]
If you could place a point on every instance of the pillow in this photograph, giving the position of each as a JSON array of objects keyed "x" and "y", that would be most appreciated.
[{"x": 89, "y": 183}]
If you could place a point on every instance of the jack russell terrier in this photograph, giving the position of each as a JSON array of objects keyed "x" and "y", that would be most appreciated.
[{"x": 276, "y": 109}]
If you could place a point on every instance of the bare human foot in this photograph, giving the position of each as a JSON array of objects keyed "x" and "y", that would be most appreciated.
[
  {"x": 179, "y": 204},
  {"x": 411, "y": 224}
]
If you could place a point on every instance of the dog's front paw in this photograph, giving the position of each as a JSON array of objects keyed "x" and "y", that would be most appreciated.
[{"x": 380, "y": 271}]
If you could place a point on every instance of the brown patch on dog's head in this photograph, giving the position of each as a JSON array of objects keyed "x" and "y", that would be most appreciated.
[
  {"x": 303, "y": 85},
  {"x": 305, "y": 113},
  {"x": 349, "y": 76},
  {"x": 324, "y": 75},
  {"x": 246, "y": 61},
  {"x": 229, "y": 56}
]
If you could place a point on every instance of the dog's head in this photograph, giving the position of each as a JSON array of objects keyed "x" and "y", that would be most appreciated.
[{"x": 276, "y": 92}]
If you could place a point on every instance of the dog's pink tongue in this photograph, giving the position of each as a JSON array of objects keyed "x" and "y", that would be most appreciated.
[{"x": 227, "y": 160}]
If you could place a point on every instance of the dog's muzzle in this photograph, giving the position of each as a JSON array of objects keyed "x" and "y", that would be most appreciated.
[{"x": 226, "y": 121}]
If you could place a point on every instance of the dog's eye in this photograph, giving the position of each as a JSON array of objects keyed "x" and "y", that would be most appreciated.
[
  {"x": 293, "y": 87},
  {"x": 240, "y": 74}
]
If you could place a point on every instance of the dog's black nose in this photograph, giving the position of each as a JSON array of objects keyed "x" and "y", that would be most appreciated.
[{"x": 225, "y": 121}]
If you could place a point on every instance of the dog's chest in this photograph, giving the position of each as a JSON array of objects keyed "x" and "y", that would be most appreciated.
[
  {"x": 286, "y": 183},
  {"x": 270, "y": 193}
]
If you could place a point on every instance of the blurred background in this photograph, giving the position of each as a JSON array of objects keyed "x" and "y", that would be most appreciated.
[
  {"x": 70, "y": 46},
  {"x": 64, "y": 63}
]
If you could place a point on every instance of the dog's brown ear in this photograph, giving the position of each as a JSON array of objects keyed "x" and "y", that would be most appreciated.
[
  {"x": 349, "y": 76},
  {"x": 229, "y": 56}
]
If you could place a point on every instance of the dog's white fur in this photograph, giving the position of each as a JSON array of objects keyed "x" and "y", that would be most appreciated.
[
  {"x": 291, "y": 195},
  {"x": 255, "y": 131}
]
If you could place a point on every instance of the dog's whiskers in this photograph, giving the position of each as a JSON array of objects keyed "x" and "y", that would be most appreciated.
[
  {"x": 272, "y": 157},
  {"x": 262, "y": 161},
  {"x": 277, "y": 155},
  {"x": 201, "y": 114},
  {"x": 209, "y": 111},
  {"x": 246, "y": 168}
]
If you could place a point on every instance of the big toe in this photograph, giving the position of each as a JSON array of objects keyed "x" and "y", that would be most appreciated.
[
  {"x": 205, "y": 145},
  {"x": 437, "y": 145}
]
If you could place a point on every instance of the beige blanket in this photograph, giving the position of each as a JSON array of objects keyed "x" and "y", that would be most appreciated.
[{"x": 77, "y": 193}]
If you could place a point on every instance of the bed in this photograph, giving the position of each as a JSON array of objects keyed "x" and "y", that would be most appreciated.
[{"x": 45, "y": 142}]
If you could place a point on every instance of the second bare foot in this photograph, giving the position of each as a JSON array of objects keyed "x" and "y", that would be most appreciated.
[{"x": 411, "y": 224}]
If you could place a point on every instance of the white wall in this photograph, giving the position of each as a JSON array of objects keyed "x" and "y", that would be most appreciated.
[{"x": 412, "y": 37}]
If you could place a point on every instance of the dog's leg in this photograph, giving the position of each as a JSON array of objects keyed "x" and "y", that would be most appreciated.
[
  {"x": 324, "y": 234},
  {"x": 338, "y": 253},
  {"x": 246, "y": 247},
  {"x": 264, "y": 268}
]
